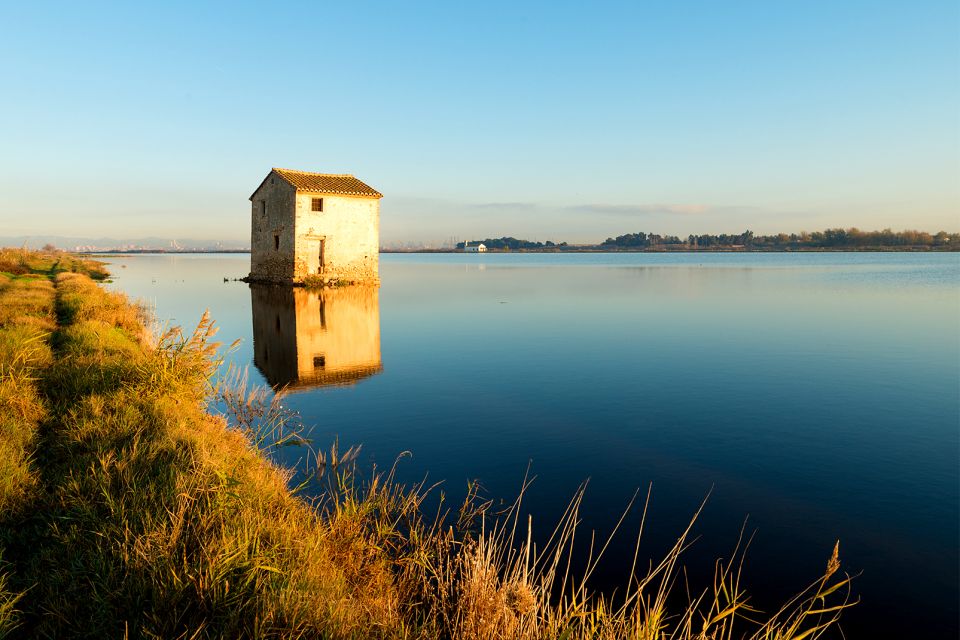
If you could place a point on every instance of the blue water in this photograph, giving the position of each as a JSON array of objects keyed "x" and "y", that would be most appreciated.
[{"x": 814, "y": 396}]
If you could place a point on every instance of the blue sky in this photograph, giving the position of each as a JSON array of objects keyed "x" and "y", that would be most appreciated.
[{"x": 566, "y": 121}]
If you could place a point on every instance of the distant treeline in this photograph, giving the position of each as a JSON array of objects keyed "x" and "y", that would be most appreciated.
[
  {"x": 828, "y": 239},
  {"x": 851, "y": 239},
  {"x": 511, "y": 243}
]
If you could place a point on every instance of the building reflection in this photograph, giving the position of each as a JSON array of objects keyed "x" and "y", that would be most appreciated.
[{"x": 304, "y": 339}]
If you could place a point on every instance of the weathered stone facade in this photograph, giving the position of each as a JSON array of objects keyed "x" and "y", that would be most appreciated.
[
  {"x": 291, "y": 241},
  {"x": 273, "y": 234}
]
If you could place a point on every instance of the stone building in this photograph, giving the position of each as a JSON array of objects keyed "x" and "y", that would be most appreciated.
[
  {"x": 304, "y": 338},
  {"x": 314, "y": 224}
]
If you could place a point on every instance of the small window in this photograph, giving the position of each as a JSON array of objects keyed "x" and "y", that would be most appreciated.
[
  {"x": 319, "y": 362},
  {"x": 263, "y": 207},
  {"x": 276, "y": 242},
  {"x": 316, "y": 204}
]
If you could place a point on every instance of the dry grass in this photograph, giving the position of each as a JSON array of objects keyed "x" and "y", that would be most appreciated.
[
  {"x": 26, "y": 320},
  {"x": 153, "y": 518},
  {"x": 18, "y": 262}
]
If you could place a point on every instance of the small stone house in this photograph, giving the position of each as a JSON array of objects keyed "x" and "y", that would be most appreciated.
[
  {"x": 320, "y": 225},
  {"x": 480, "y": 248}
]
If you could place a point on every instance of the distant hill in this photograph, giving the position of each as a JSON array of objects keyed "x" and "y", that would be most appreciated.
[{"x": 110, "y": 244}]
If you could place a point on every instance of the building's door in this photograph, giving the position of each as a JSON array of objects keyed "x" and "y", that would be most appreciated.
[{"x": 320, "y": 257}]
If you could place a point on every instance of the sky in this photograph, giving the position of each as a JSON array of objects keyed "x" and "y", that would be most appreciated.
[{"x": 555, "y": 120}]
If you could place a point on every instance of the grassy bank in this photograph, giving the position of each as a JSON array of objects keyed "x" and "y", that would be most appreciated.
[{"x": 129, "y": 510}]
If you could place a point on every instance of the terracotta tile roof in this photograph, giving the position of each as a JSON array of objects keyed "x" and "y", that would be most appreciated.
[{"x": 327, "y": 183}]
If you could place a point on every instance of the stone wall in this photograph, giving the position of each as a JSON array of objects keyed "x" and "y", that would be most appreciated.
[
  {"x": 272, "y": 231},
  {"x": 349, "y": 230}
]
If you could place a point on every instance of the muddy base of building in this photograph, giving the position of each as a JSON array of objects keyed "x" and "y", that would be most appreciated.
[{"x": 310, "y": 282}]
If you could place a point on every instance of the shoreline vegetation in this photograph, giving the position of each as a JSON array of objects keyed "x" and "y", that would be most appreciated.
[
  {"x": 828, "y": 240},
  {"x": 129, "y": 508}
]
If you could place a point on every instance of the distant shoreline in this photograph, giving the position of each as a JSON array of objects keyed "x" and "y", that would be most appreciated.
[
  {"x": 120, "y": 252},
  {"x": 703, "y": 250},
  {"x": 585, "y": 249}
]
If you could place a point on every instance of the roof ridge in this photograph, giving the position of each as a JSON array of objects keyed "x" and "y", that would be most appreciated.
[
  {"x": 314, "y": 173},
  {"x": 333, "y": 183}
]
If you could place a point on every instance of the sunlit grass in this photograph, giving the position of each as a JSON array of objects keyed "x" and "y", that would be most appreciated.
[
  {"x": 26, "y": 321},
  {"x": 25, "y": 262}
]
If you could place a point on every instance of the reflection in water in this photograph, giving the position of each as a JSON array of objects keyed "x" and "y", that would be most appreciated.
[{"x": 304, "y": 339}]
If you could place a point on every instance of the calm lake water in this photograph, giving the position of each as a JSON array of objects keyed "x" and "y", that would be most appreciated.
[{"x": 817, "y": 395}]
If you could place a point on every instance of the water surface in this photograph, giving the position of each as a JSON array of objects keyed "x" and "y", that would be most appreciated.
[{"x": 817, "y": 395}]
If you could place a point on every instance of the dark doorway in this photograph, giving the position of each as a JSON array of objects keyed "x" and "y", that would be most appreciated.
[{"x": 320, "y": 257}]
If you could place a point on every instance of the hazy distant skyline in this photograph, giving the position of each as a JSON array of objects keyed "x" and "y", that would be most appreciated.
[{"x": 542, "y": 120}]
